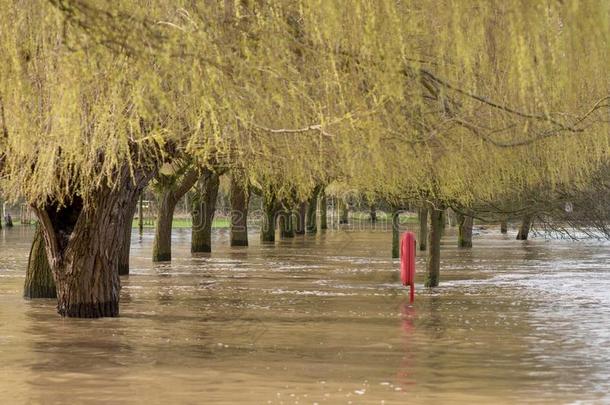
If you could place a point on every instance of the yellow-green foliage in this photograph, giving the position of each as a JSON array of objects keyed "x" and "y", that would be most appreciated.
[{"x": 451, "y": 100}]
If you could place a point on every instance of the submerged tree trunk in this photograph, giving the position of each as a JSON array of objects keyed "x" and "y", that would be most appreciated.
[
  {"x": 141, "y": 213},
  {"x": 395, "y": 233},
  {"x": 422, "y": 214},
  {"x": 312, "y": 210},
  {"x": 239, "y": 212},
  {"x": 343, "y": 211},
  {"x": 435, "y": 232},
  {"x": 270, "y": 209},
  {"x": 39, "y": 281},
  {"x": 465, "y": 223},
  {"x": 125, "y": 249},
  {"x": 82, "y": 241},
  {"x": 373, "y": 213},
  {"x": 172, "y": 190},
  {"x": 202, "y": 212},
  {"x": 504, "y": 227},
  {"x": 323, "y": 208},
  {"x": 299, "y": 227},
  {"x": 286, "y": 224},
  {"x": 524, "y": 228}
]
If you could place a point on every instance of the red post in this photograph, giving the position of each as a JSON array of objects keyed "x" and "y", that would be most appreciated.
[{"x": 407, "y": 262}]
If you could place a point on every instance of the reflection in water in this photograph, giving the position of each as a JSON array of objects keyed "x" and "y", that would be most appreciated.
[{"x": 320, "y": 319}]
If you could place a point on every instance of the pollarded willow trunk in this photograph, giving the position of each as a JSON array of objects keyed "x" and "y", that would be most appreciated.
[
  {"x": 203, "y": 209},
  {"x": 301, "y": 214},
  {"x": 322, "y": 204},
  {"x": 172, "y": 190},
  {"x": 82, "y": 242},
  {"x": 270, "y": 209},
  {"x": 162, "y": 245},
  {"x": 395, "y": 233},
  {"x": 524, "y": 228},
  {"x": 465, "y": 223},
  {"x": 39, "y": 281},
  {"x": 435, "y": 215},
  {"x": 422, "y": 214},
  {"x": 240, "y": 197},
  {"x": 504, "y": 227},
  {"x": 312, "y": 211},
  {"x": 125, "y": 249}
]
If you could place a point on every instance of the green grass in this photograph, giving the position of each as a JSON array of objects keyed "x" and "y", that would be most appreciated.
[{"x": 186, "y": 223}]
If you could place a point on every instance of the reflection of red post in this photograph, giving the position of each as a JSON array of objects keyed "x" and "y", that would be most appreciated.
[{"x": 407, "y": 262}]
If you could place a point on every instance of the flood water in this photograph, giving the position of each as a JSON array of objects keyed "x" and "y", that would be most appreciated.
[{"x": 320, "y": 319}]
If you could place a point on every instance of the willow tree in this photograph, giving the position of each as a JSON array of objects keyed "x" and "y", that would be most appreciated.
[
  {"x": 446, "y": 102},
  {"x": 96, "y": 96}
]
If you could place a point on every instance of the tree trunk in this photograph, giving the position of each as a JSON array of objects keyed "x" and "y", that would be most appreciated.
[
  {"x": 172, "y": 190},
  {"x": 141, "y": 213},
  {"x": 162, "y": 245},
  {"x": 373, "y": 213},
  {"x": 39, "y": 281},
  {"x": 524, "y": 229},
  {"x": 125, "y": 249},
  {"x": 239, "y": 213},
  {"x": 465, "y": 223},
  {"x": 395, "y": 233},
  {"x": 434, "y": 246},
  {"x": 286, "y": 224},
  {"x": 299, "y": 229},
  {"x": 504, "y": 227},
  {"x": 422, "y": 214},
  {"x": 323, "y": 208},
  {"x": 82, "y": 241},
  {"x": 270, "y": 208},
  {"x": 202, "y": 212},
  {"x": 343, "y": 212},
  {"x": 312, "y": 210}
]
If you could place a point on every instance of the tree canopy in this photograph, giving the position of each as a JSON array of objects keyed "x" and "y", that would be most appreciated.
[{"x": 448, "y": 101}]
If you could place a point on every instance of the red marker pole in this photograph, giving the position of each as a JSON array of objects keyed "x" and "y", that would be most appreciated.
[{"x": 407, "y": 262}]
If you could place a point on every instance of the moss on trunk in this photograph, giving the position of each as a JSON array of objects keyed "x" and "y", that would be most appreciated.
[
  {"x": 39, "y": 281},
  {"x": 202, "y": 212}
]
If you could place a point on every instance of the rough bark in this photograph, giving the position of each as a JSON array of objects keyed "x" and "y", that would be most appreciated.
[
  {"x": 171, "y": 191},
  {"x": 504, "y": 227},
  {"x": 465, "y": 223},
  {"x": 240, "y": 196},
  {"x": 422, "y": 214},
  {"x": 323, "y": 211},
  {"x": 82, "y": 241},
  {"x": 124, "y": 252},
  {"x": 270, "y": 209},
  {"x": 435, "y": 232},
  {"x": 202, "y": 212},
  {"x": 39, "y": 281},
  {"x": 524, "y": 228}
]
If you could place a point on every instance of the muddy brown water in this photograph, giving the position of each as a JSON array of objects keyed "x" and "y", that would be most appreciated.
[{"x": 320, "y": 319}]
